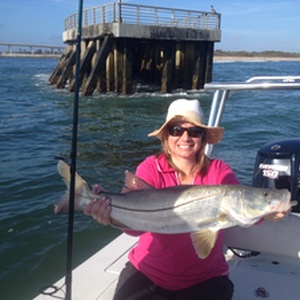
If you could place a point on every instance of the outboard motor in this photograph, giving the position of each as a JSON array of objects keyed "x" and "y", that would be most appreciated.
[{"x": 278, "y": 166}]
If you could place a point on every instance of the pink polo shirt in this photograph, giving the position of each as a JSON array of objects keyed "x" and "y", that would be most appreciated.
[{"x": 170, "y": 260}]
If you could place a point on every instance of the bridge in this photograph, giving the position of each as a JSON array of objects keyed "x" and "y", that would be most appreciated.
[{"x": 31, "y": 48}]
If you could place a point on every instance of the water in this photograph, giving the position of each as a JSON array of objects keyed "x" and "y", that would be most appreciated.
[{"x": 36, "y": 126}]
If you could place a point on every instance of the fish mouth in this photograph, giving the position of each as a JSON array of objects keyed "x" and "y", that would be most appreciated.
[{"x": 278, "y": 205}]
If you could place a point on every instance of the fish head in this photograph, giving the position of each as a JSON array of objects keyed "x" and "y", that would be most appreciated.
[
  {"x": 254, "y": 203},
  {"x": 269, "y": 200}
]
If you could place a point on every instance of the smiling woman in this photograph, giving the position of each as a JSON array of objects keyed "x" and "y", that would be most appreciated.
[{"x": 156, "y": 259}]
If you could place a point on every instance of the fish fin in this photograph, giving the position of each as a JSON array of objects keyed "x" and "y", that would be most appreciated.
[
  {"x": 203, "y": 242},
  {"x": 132, "y": 183},
  {"x": 81, "y": 188},
  {"x": 65, "y": 172}
]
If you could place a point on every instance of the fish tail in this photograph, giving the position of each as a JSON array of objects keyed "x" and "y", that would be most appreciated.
[{"x": 81, "y": 188}]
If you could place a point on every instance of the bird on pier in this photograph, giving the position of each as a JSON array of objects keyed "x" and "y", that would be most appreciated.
[{"x": 213, "y": 9}]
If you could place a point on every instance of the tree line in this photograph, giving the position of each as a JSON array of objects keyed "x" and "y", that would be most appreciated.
[{"x": 271, "y": 53}]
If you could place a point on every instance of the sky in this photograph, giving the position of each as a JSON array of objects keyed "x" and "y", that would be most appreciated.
[{"x": 255, "y": 25}]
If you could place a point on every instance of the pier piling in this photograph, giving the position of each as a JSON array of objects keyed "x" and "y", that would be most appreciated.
[{"x": 171, "y": 48}]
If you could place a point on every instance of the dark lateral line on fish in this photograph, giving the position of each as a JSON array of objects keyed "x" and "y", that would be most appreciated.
[
  {"x": 145, "y": 210},
  {"x": 138, "y": 210}
]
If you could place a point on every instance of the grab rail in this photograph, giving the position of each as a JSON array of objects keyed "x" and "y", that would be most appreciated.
[
  {"x": 222, "y": 92},
  {"x": 145, "y": 15}
]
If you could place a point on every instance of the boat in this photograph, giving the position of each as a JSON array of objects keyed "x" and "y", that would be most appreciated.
[{"x": 264, "y": 259}]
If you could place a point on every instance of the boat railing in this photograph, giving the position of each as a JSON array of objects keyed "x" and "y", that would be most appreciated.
[
  {"x": 145, "y": 15},
  {"x": 222, "y": 92}
]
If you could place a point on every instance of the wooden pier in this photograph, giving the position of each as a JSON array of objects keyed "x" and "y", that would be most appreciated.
[{"x": 124, "y": 43}]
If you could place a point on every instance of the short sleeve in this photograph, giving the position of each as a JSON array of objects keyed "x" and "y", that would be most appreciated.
[{"x": 221, "y": 173}]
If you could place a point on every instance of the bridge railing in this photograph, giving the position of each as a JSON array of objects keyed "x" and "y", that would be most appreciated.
[
  {"x": 22, "y": 48},
  {"x": 145, "y": 15}
]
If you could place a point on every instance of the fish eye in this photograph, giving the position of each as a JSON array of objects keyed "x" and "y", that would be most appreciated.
[{"x": 265, "y": 194}]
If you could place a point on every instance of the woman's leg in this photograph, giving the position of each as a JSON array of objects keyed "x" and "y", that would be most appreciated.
[
  {"x": 217, "y": 288},
  {"x": 134, "y": 285}
]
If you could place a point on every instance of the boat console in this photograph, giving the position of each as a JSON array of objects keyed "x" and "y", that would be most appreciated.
[{"x": 278, "y": 166}]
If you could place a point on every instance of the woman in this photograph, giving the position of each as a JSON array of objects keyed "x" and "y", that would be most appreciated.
[{"x": 164, "y": 266}]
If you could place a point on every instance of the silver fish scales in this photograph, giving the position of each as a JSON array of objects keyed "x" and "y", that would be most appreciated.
[{"x": 202, "y": 210}]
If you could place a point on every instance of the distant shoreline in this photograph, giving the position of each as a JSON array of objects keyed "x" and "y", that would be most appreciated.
[
  {"x": 26, "y": 55},
  {"x": 216, "y": 58},
  {"x": 253, "y": 58}
]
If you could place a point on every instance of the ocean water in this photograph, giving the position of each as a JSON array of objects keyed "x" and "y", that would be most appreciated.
[{"x": 36, "y": 126}]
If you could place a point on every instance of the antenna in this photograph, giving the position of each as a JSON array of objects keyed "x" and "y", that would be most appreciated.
[{"x": 68, "y": 280}]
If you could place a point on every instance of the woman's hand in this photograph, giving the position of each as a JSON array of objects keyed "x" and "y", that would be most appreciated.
[
  {"x": 99, "y": 208},
  {"x": 274, "y": 217}
]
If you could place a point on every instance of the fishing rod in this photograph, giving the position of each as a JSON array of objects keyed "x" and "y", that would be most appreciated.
[{"x": 68, "y": 279}]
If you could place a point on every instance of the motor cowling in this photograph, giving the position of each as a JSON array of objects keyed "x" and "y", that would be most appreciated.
[{"x": 277, "y": 166}]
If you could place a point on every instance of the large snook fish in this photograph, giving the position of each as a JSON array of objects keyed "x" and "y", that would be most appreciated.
[{"x": 201, "y": 210}]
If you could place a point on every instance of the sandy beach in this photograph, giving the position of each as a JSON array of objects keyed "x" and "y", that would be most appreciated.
[
  {"x": 216, "y": 57},
  {"x": 257, "y": 58}
]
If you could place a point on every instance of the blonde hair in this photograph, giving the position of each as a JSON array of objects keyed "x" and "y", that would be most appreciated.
[{"x": 202, "y": 160}]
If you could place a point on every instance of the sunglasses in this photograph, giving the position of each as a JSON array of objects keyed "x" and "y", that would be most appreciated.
[{"x": 194, "y": 132}]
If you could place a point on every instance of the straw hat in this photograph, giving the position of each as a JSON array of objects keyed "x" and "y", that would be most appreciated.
[{"x": 191, "y": 111}]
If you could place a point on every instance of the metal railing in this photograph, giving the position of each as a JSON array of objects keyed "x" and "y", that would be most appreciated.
[
  {"x": 223, "y": 90},
  {"x": 145, "y": 15},
  {"x": 13, "y": 46}
]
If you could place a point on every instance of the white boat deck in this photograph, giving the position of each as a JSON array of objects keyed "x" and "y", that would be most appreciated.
[
  {"x": 265, "y": 276},
  {"x": 273, "y": 274},
  {"x": 96, "y": 277}
]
